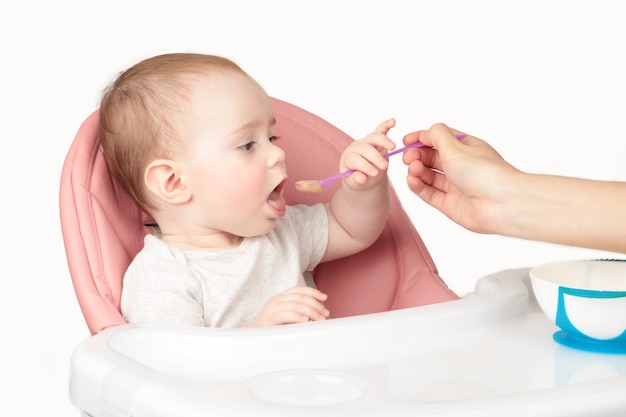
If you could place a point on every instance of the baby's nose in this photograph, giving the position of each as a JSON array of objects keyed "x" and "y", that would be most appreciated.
[{"x": 277, "y": 155}]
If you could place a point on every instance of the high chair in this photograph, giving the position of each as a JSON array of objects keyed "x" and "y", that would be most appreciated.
[{"x": 400, "y": 342}]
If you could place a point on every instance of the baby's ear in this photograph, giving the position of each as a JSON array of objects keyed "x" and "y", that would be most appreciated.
[{"x": 163, "y": 178}]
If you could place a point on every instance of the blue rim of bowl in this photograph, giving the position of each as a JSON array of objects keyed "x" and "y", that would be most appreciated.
[
  {"x": 588, "y": 344},
  {"x": 570, "y": 336},
  {"x": 577, "y": 340}
]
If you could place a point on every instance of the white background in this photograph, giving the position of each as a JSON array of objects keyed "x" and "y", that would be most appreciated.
[{"x": 542, "y": 81}]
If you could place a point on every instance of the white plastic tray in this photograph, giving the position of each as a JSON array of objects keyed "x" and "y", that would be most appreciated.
[{"x": 489, "y": 354}]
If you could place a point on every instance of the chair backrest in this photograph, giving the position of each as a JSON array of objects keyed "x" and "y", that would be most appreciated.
[{"x": 103, "y": 229}]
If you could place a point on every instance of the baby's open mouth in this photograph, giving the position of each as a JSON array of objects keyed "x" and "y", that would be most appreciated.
[
  {"x": 280, "y": 187},
  {"x": 276, "y": 200}
]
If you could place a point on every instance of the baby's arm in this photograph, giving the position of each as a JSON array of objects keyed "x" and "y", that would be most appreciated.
[{"x": 358, "y": 210}]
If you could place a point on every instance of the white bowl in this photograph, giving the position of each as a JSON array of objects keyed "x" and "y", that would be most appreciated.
[{"x": 587, "y": 300}]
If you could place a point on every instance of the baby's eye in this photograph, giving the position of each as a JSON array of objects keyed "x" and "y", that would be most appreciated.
[
  {"x": 274, "y": 138},
  {"x": 248, "y": 146}
]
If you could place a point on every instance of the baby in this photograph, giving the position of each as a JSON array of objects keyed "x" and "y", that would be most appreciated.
[{"x": 190, "y": 138}]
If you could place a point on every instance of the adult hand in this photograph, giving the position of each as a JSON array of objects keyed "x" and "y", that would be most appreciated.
[{"x": 464, "y": 179}]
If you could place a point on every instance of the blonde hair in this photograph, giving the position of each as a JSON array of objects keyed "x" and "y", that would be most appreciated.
[{"x": 142, "y": 114}]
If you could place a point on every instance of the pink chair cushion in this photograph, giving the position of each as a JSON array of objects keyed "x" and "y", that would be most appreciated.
[{"x": 103, "y": 229}]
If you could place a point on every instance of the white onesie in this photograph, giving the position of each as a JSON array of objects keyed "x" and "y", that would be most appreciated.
[{"x": 223, "y": 288}]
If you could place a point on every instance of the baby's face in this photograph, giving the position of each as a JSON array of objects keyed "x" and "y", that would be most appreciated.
[{"x": 235, "y": 171}]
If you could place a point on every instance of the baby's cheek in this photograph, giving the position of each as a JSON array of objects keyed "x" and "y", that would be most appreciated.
[{"x": 246, "y": 186}]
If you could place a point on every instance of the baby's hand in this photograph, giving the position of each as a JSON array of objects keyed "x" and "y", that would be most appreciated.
[
  {"x": 296, "y": 305},
  {"x": 364, "y": 156}
]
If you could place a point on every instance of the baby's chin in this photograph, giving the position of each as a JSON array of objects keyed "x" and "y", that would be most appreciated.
[{"x": 260, "y": 230}]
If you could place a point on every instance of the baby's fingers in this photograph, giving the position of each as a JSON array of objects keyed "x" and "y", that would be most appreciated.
[
  {"x": 306, "y": 302},
  {"x": 385, "y": 126},
  {"x": 307, "y": 291},
  {"x": 379, "y": 138},
  {"x": 365, "y": 157}
]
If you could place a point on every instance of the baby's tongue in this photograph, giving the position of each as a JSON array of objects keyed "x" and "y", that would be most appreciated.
[{"x": 277, "y": 202}]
